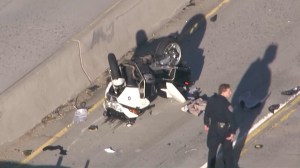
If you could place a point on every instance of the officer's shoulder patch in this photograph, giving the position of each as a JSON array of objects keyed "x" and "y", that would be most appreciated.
[{"x": 230, "y": 108}]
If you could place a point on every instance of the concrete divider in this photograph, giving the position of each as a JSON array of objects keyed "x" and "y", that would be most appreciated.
[{"x": 80, "y": 60}]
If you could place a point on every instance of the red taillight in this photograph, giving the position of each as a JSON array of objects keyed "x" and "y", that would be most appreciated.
[
  {"x": 186, "y": 83},
  {"x": 135, "y": 111}
]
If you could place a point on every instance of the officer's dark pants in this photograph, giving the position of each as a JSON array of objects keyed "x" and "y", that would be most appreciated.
[{"x": 216, "y": 136}]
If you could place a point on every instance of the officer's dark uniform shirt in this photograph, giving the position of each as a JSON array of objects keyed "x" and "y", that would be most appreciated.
[{"x": 219, "y": 110}]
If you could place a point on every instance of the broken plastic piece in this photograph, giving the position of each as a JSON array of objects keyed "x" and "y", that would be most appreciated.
[
  {"x": 214, "y": 18},
  {"x": 109, "y": 150},
  {"x": 290, "y": 92},
  {"x": 184, "y": 108},
  {"x": 258, "y": 146},
  {"x": 93, "y": 128},
  {"x": 193, "y": 93},
  {"x": 274, "y": 107},
  {"x": 80, "y": 115},
  {"x": 27, "y": 152},
  {"x": 62, "y": 151}
]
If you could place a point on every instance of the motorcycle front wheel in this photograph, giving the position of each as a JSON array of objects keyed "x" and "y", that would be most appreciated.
[{"x": 168, "y": 52}]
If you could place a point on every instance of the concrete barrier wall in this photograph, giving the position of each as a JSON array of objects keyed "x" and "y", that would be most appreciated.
[{"x": 82, "y": 58}]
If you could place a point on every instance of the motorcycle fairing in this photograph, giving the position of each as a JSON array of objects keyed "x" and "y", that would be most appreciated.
[
  {"x": 172, "y": 92},
  {"x": 131, "y": 98}
]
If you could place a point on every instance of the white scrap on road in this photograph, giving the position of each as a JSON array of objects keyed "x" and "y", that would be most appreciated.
[{"x": 109, "y": 150}]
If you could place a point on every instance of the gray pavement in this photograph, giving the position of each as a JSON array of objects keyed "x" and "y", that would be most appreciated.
[
  {"x": 279, "y": 137},
  {"x": 252, "y": 45}
]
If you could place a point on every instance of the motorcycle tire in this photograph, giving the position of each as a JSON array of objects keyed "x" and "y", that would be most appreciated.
[
  {"x": 168, "y": 52},
  {"x": 113, "y": 65},
  {"x": 106, "y": 113}
]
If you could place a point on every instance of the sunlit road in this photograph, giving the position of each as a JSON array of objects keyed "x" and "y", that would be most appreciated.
[
  {"x": 32, "y": 30},
  {"x": 252, "y": 45}
]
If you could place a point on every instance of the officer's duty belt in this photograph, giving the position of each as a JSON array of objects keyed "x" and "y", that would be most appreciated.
[{"x": 222, "y": 124}]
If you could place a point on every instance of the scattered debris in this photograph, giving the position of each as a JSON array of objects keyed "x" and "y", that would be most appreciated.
[
  {"x": 81, "y": 114},
  {"x": 27, "y": 152},
  {"x": 214, "y": 18},
  {"x": 273, "y": 107},
  {"x": 57, "y": 147},
  {"x": 93, "y": 88},
  {"x": 291, "y": 92},
  {"x": 193, "y": 93},
  {"x": 184, "y": 109},
  {"x": 109, "y": 150},
  {"x": 93, "y": 128},
  {"x": 190, "y": 150},
  {"x": 258, "y": 146},
  {"x": 195, "y": 107},
  {"x": 192, "y": 3}
]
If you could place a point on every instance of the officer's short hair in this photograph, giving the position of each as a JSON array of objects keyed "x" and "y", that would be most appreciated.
[{"x": 223, "y": 87}]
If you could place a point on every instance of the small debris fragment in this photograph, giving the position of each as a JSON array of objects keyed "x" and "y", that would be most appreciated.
[
  {"x": 214, "y": 18},
  {"x": 27, "y": 152},
  {"x": 274, "y": 107},
  {"x": 258, "y": 146},
  {"x": 80, "y": 115},
  {"x": 93, "y": 128},
  {"x": 190, "y": 150},
  {"x": 109, "y": 150},
  {"x": 291, "y": 92},
  {"x": 62, "y": 151}
]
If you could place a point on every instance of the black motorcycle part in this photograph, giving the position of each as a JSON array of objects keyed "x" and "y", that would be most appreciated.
[
  {"x": 183, "y": 76},
  {"x": 113, "y": 114},
  {"x": 113, "y": 65},
  {"x": 168, "y": 52}
]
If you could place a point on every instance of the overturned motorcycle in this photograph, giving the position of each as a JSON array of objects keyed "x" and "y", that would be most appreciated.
[{"x": 136, "y": 82}]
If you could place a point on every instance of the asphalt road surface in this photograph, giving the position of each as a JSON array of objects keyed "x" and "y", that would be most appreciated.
[
  {"x": 30, "y": 31},
  {"x": 250, "y": 44}
]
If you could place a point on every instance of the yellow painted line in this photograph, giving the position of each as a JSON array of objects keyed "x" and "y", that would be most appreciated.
[
  {"x": 96, "y": 105},
  {"x": 295, "y": 102},
  {"x": 213, "y": 11},
  {"x": 57, "y": 135},
  {"x": 50, "y": 141},
  {"x": 285, "y": 117},
  {"x": 267, "y": 123}
]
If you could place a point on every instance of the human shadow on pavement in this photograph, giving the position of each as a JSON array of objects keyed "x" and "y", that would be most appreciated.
[{"x": 256, "y": 81}]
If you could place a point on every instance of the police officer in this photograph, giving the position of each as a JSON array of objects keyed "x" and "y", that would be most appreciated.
[{"x": 220, "y": 125}]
